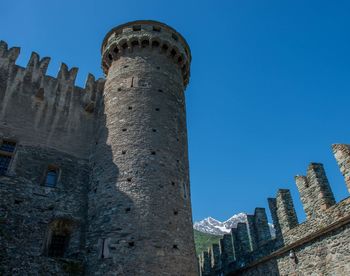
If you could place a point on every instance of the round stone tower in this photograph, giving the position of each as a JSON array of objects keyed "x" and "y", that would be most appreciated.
[{"x": 142, "y": 221}]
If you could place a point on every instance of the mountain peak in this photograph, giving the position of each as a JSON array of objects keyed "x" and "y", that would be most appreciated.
[
  {"x": 240, "y": 217},
  {"x": 213, "y": 226},
  {"x": 212, "y": 220}
]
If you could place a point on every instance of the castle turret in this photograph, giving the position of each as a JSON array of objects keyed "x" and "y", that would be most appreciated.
[{"x": 140, "y": 194}]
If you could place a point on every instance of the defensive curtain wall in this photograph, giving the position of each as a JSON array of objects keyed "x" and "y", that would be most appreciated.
[{"x": 318, "y": 246}]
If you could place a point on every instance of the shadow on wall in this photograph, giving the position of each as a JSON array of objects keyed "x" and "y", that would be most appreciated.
[
  {"x": 55, "y": 122},
  {"x": 269, "y": 268},
  {"x": 112, "y": 218}
]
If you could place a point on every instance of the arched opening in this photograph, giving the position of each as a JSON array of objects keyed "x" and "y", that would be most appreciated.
[
  {"x": 145, "y": 43},
  {"x": 125, "y": 45},
  {"x": 156, "y": 29},
  {"x": 135, "y": 43},
  {"x": 155, "y": 43},
  {"x": 165, "y": 47},
  {"x": 136, "y": 28},
  {"x": 173, "y": 53},
  {"x": 58, "y": 236}
]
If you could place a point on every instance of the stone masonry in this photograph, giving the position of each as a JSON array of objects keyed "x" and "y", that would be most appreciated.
[
  {"x": 318, "y": 246},
  {"x": 94, "y": 180}
]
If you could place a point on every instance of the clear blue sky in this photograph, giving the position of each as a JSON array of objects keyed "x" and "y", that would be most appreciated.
[{"x": 269, "y": 89}]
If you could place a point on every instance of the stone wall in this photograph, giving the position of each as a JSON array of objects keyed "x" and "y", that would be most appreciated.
[
  {"x": 27, "y": 209},
  {"x": 326, "y": 255},
  {"x": 52, "y": 123},
  {"x": 318, "y": 246},
  {"x": 139, "y": 196},
  {"x": 37, "y": 109},
  {"x": 117, "y": 148}
]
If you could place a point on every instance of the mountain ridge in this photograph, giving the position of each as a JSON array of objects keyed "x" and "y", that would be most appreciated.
[{"x": 213, "y": 226}]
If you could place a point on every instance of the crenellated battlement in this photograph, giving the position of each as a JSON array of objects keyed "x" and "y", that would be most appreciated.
[
  {"x": 43, "y": 87},
  {"x": 342, "y": 155},
  {"x": 250, "y": 243},
  {"x": 9, "y": 55},
  {"x": 52, "y": 106},
  {"x": 314, "y": 189}
]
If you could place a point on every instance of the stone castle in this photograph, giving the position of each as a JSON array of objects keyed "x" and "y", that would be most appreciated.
[{"x": 95, "y": 181}]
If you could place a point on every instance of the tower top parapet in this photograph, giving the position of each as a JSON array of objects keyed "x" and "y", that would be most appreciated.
[{"x": 146, "y": 34}]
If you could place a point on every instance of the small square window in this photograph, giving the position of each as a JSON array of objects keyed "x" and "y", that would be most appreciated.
[
  {"x": 7, "y": 149},
  {"x": 4, "y": 163},
  {"x": 51, "y": 177},
  {"x": 136, "y": 28},
  {"x": 156, "y": 29}
]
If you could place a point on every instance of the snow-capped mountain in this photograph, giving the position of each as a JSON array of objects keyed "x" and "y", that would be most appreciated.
[{"x": 212, "y": 226}]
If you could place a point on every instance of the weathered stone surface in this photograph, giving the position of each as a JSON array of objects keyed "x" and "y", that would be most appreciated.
[
  {"x": 261, "y": 226},
  {"x": 276, "y": 222},
  {"x": 315, "y": 192},
  {"x": 242, "y": 241},
  {"x": 227, "y": 251},
  {"x": 121, "y": 204},
  {"x": 215, "y": 258},
  {"x": 27, "y": 209},
  {"x": 326, "y": 255},
  {"x": 140, "y": 159},
  {"x": 204, "y": 264},
  {"x": 342, "y": 155},
  {"x": 318, "y": 246},
  {"x": 43, "y": 115},
  {"x": 286, "y": 215}
]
